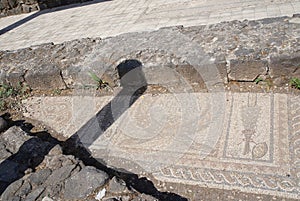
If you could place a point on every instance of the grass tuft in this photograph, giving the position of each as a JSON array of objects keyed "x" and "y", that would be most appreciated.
[
  {"x": 101, "y": 84},
  {"x": 10, "y": 96},
  {"x": 295, "y": 82}
]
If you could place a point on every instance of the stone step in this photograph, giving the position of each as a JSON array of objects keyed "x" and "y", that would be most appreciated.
[{"x": 244, "y": 141}]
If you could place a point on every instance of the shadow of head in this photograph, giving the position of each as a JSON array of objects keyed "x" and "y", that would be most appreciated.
[{"x": 131, "y": 74}]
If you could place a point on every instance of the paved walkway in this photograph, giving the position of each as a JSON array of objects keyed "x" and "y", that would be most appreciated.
[{"x": 110, "y": 18}]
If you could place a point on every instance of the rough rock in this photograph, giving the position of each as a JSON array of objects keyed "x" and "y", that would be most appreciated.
[
  {"x": 47, "y": 76},
  {"x": 247, "y": 70},
  {"x": 14, "y": 138},
  {"x": 47, "y": 199},
  {"x": 40, "y": 183},
  {"x": 55, "y": 151},
  {"x": 24, "y": 190},
  {"x": 3, "y": 124},
  {"x": 236, "y": 47},
  {"x": 39, "y": 177},
  {"x": 33, "y": 195},
  {"x": 9, "y": 193},
  {"x": 244, "y": 47},
  {"x": 84, "y": 183},
  {"x": 24, "y": 151},
  {"x": 117, "y": 186},
  {"x": 144, "y": 197},
  {"x": 59, "y": 175},
  {"x": 285, "y": 67},
  {"x": 12, "y": 7},
  {"x": 3, "y": 152},
  {"x": 29, "y": 64},
  {"x": 57, "y": 161}
]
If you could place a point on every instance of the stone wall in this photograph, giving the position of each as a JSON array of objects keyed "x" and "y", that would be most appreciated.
[
  {"x": 12, "y": 7},
  {"x": 242, "y": 52},
  {"x": 44, "y": 4}
]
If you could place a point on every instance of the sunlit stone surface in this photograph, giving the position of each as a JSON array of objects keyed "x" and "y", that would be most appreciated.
[{"x": 249, "y": 141}]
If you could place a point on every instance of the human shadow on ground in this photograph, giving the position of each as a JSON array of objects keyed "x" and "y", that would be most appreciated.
[
  {"x": 50, "y": 10},
  {"x": 134, "y": 85}
]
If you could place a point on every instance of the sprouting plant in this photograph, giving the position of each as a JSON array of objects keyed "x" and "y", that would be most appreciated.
[
  {"x": 23, "y": 90},
  {"x": 11, "y": 95},
  {"x": 258, "y": 80},
  {"x": 269, "y": 84},
  {"x": 295, "y": 82},
  {"x": 6, "y": 91},
  {"x": 100, "y": 83},
  {"x": 2, "y": 105},
  {"x": 57, "y": 91}
]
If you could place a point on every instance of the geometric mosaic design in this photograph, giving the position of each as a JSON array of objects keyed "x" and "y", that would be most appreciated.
[
  {"x": 257, "y": 149},
  {"x": 258, "y": 152}
]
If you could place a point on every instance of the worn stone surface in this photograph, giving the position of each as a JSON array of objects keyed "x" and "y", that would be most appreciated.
[
  {"x": 59, "y": 175},
  {"x": 249, "y": 140},
  {"x": 130, "y": 16},
  {"x": 116, "y": 185},
  {"x": 69, "y": 181},
  {"x": 247, "y": 70},
  {"x": 46, "y": 198},
  {"x": 45, "y": 77},
  {"x": 84, "y": 183},
  {"x": 23, "y": 153},
  {"x": 44, "y": 4},
  {"x": 38, "y": 178},
  {"x": 3, "y": 124},
  {"x": 255, "y": 138},
  {"x": 8, "y": 194},
  {"x": 54, "y": 176},
  {"x": 230, "y": 47},
  {"x": 12, "y": 7},
  {"x": 229, "y": 141},
  {"x": 14, "y": 138},
  {"x": 285, "y": 67},
  {"x": 30, "y": 65},
  {"x": 32, "y": 196}
]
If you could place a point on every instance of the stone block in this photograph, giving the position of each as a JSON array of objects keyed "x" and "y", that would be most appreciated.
[
  {"x": 46, "y": 77},
  {"x": 284, "y": 67},
  {"x": 12, "y": 3},
  {"x": 15, "y": 78},
  {"x": 246, "y": 71},
  {"x": 84, "y": 183},
  {"x": 5, "y": 4}
]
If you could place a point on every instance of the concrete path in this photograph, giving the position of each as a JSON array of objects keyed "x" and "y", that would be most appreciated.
[
  {"x": 244, "y": 141},
  {"x": 110, "y": 18}
]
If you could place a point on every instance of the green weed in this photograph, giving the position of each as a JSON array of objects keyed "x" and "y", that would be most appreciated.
[
  {"x": 258, "y": 80},
  {"x": 10, "y": 95},
  {"x": 295, "y": 82},
  {"x": 101, "y": 84},
  {"x": 57, "y": 91}
]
